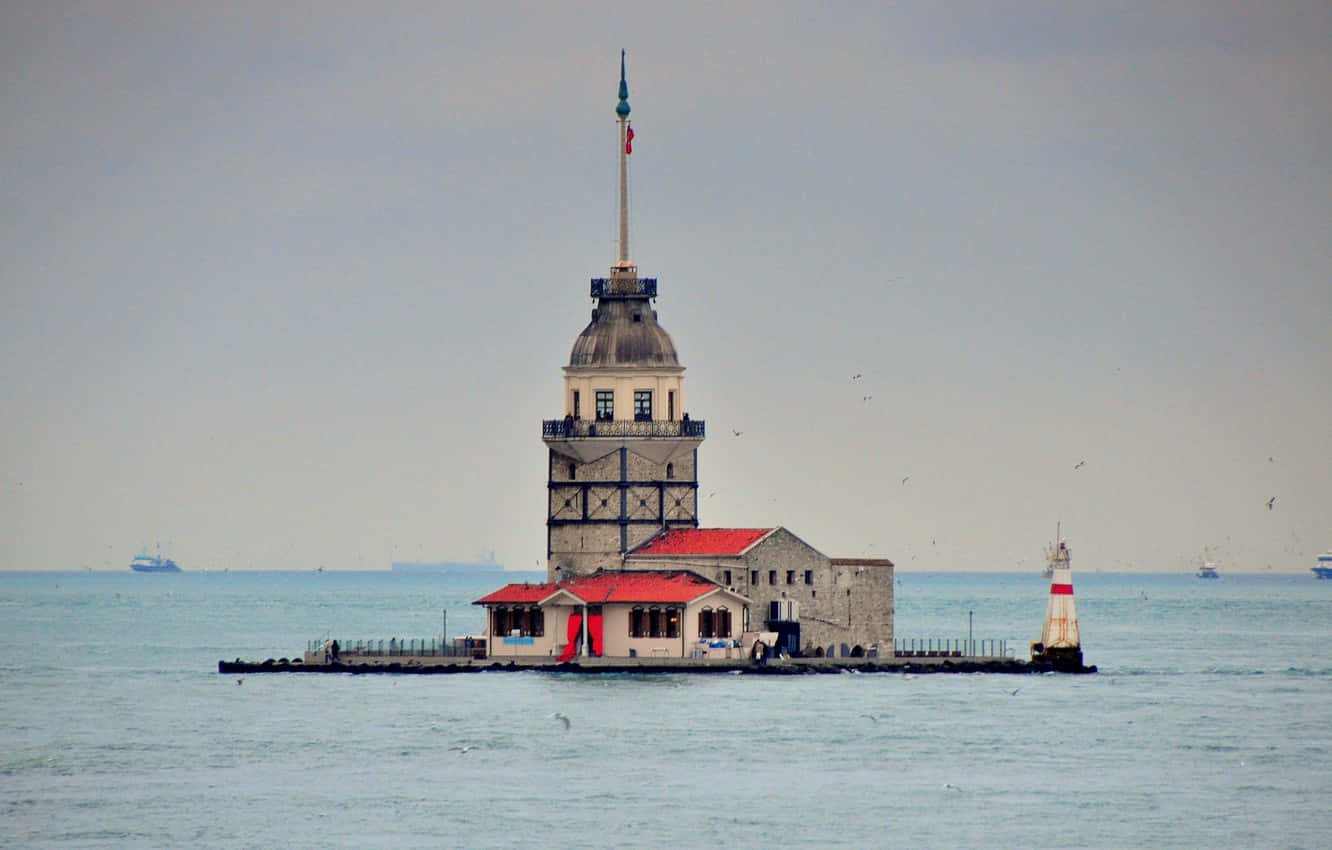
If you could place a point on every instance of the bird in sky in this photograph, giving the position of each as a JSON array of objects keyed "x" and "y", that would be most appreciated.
[
  {"x": 855, "y": 377},
  {"x": 871, "y": 717},
  {"x": 1013, "y": 692},
  {"x": 463, "y": 749},
  {"x": 1271, "y": 502},
  {"x": 735, "y": 432},
  {"x": 906, "y": 479},
  {"x": 866, "y": 398},
  {"x": 561, "y": 718},
  {"x": 1079, "y": 464}
]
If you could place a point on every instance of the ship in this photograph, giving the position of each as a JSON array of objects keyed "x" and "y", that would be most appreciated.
[
  {"x": 1323, "y": 565},
  {"x": 1207, "y": 568},
  {"x": 484, "y": 565},
  {"x": 145, "y": 563}
]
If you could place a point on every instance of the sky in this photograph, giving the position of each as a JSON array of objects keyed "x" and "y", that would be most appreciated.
[{"x": 291, "y": 285}]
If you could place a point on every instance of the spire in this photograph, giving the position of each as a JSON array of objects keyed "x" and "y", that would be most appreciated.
[{"x": 623, "y": 264}]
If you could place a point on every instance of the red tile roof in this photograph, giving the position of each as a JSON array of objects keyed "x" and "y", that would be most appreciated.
[
  {"x": 702, "y": 541},
  {"x": 629, "y": 586}
]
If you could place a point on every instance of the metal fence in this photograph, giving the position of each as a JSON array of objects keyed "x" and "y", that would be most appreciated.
[
  {"x": 399, "y": 647},
  {"x": 950, "y": 648}
]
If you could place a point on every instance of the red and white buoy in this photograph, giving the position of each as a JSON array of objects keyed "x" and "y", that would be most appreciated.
[{"x": 1060, "y": 643}]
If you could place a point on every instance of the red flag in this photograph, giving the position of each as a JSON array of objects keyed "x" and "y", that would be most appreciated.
[{"x": 629, "y": 141}]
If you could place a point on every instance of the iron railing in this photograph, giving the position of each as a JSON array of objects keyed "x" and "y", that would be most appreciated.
[
  {"x": 950, "y": 648},
  {"x": 606, "y": 287},
  {"x": 398, "y": 648},
  {"x": 556, "y": 428}
]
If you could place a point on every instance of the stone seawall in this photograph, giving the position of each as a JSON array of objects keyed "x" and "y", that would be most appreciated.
[{"x": 779, "y": 667}]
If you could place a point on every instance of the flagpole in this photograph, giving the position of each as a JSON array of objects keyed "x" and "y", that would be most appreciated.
[{"x": 622, "y": 110}]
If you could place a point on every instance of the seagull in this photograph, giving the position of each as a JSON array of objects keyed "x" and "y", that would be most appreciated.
[
  {"x": 464, "y": 749},
  {"x": 1079, "y": 464},
  {"x": 1013, "y": 692},
  {"x": 948, "y": 786},
  {"x": 855, "y": 377},
  {"x": 1270, "y": 502},
  {"x": 240, "y": 681},
  {"x": 906, "y": 479},
  {"x": 713, "y": 493},
  {"x": 735, "y": 432},
  {"x": 866, "y": 399},
  {"x": 871, "y": 717},
  {"x": 561, "y": 718}
]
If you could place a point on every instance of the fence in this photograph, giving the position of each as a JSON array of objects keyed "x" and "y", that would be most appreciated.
[
  {"x": 402, "y": 647},
  {"x": 950, "y": 648}
]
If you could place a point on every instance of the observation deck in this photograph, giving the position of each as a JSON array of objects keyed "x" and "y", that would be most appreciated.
[
  {"x": 624, "y": 287},
  {"x": 658, "y": 439}
]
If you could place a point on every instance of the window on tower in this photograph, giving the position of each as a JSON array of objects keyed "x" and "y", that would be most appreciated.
[
  {"x": 605, "y": 405},
  {"x": 577, "y": 413},
  {"x": 642, "y": 405}
]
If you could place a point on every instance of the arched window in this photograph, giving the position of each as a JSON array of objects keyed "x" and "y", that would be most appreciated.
[
  {"x": 672, "y": 622},
  {"x": 500, "y": 621},
  {"x": 538, "y": 620},
  {"x": 705, "y": 623},
  {"x": 637, "y": 623},
  {"x": 670, "y": 470},
  {"x": 656, "y": 628}
]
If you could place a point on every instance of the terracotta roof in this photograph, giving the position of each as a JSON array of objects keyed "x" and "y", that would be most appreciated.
[
  {"x": 702, "y": 541},
  {"x": 628, "y": 586},
  {"x": 519, "y": 593}
]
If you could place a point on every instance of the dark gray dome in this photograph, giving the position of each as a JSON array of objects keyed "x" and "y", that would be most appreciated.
[{"x": 623, "y": 332}]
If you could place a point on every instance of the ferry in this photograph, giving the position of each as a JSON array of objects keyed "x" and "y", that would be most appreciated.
[
  {"x": 1323, "y": 565},
  {"x": 1207, "y": 569},
  {"x": 145, "y": 563}
]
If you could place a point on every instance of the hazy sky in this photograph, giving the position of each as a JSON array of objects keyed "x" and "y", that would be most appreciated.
[{"x": 288, "y": 285}]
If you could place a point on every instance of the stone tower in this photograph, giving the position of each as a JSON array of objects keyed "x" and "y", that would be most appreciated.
[{"x": 623, "y": 461}]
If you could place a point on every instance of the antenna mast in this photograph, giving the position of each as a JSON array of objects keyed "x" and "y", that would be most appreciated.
[{"x": 623, "y": 264}]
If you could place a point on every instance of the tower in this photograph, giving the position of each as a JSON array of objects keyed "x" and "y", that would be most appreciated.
[
  {"x": 623, "y": 460},
  {"x": 1060, "y": 643}
]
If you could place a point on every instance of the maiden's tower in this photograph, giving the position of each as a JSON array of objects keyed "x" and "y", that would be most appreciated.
[{"x": 623, "y": 459}]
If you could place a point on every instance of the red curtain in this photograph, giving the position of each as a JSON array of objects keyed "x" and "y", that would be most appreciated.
[
  {"x": 594, "y": 632},
  {"x": 572, "y": 633}
]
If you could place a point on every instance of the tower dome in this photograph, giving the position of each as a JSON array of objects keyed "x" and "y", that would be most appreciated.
[{"x": 623, "y": 332}]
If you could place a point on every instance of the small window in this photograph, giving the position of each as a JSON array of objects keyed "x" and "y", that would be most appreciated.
[
  {"x": 672, "y": 622},
  {"x": 638, "y": 317},
  {"x": 726, "y": 577},
  {"x": 721, "y": 623},
  {"x": 637, "y": 623},
  {"x": 790, "y": 576},
  {"x": 573, "y": 469},
  {"x": 809, "y": 576},
  {"x": 670, "y": 405},
  {"x": 642, "y": 405},
  {"x": 577, "y": 406},
  {"x": 656, "y": 626},
  {"x": 605, "y": 405},
  {"x": 772, "y": 576},
  {"x": 670, "y": 473},
  {"x": 705, "y": 624},
  {"x": 753, "y": 576}
]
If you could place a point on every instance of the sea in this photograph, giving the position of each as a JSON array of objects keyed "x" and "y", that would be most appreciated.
[{"x": 1206, "y": 726}]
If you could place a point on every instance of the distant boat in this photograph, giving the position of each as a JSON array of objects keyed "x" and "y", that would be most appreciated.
[
  {"x": 1323, "y": 565},
  {"x": 145, "y": 563},
  {"x": 485, "y": 565},
  {"x": 1207, "y": 569}
]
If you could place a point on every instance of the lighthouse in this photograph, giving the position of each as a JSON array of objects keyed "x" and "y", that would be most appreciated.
[
  {"x": 1060, "y": 644},
  {"x": 623, "y": 457}
]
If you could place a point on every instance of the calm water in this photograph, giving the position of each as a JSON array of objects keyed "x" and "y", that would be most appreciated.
[{"x": 1208, "y": 726}]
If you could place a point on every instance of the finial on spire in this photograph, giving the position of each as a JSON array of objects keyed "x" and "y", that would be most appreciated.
[{"x": 622, "y": 108}]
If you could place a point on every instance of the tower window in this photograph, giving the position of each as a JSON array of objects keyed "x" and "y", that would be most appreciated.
[
  {"x": 790, "y": 576},
  {"x": 638, "y": 317},
  {"x": 772, "y": 576},
  {"x": 605, "y": 405},
  {"x": 670, "y": 473},
  {"x": 726, "y": 577},
  {"x": 572, "y": 470},
  {"x": 670, "y": 405},
  {"x": 809, "y": 576},
  {"x": 753, "y": 577},
  {"x": 642, "y": 405},
  {"x": 577, "y": 412}
]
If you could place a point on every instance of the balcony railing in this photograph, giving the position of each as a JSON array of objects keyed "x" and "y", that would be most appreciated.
[
  {"x": 607, "y": 287},
  {"x": 557, "y": 428}
]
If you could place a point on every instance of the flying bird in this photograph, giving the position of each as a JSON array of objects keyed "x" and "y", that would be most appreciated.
[
  {"x": 1271, "y": 502},
  {"x": 906, "y": 479},
  {"x": 463, "y": 749},
  {"x": 866, "y": 398},
  {"x": 1080, "y": 464},
  {"x": 240, "y": 681},
  {"x": 871, "y": 717},
  {"x": 561, "y": 718},
  {"x": 855, "y": 377},
  {"x": 1013, "y": 692},
  {"x": 735, "y": 432}
]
